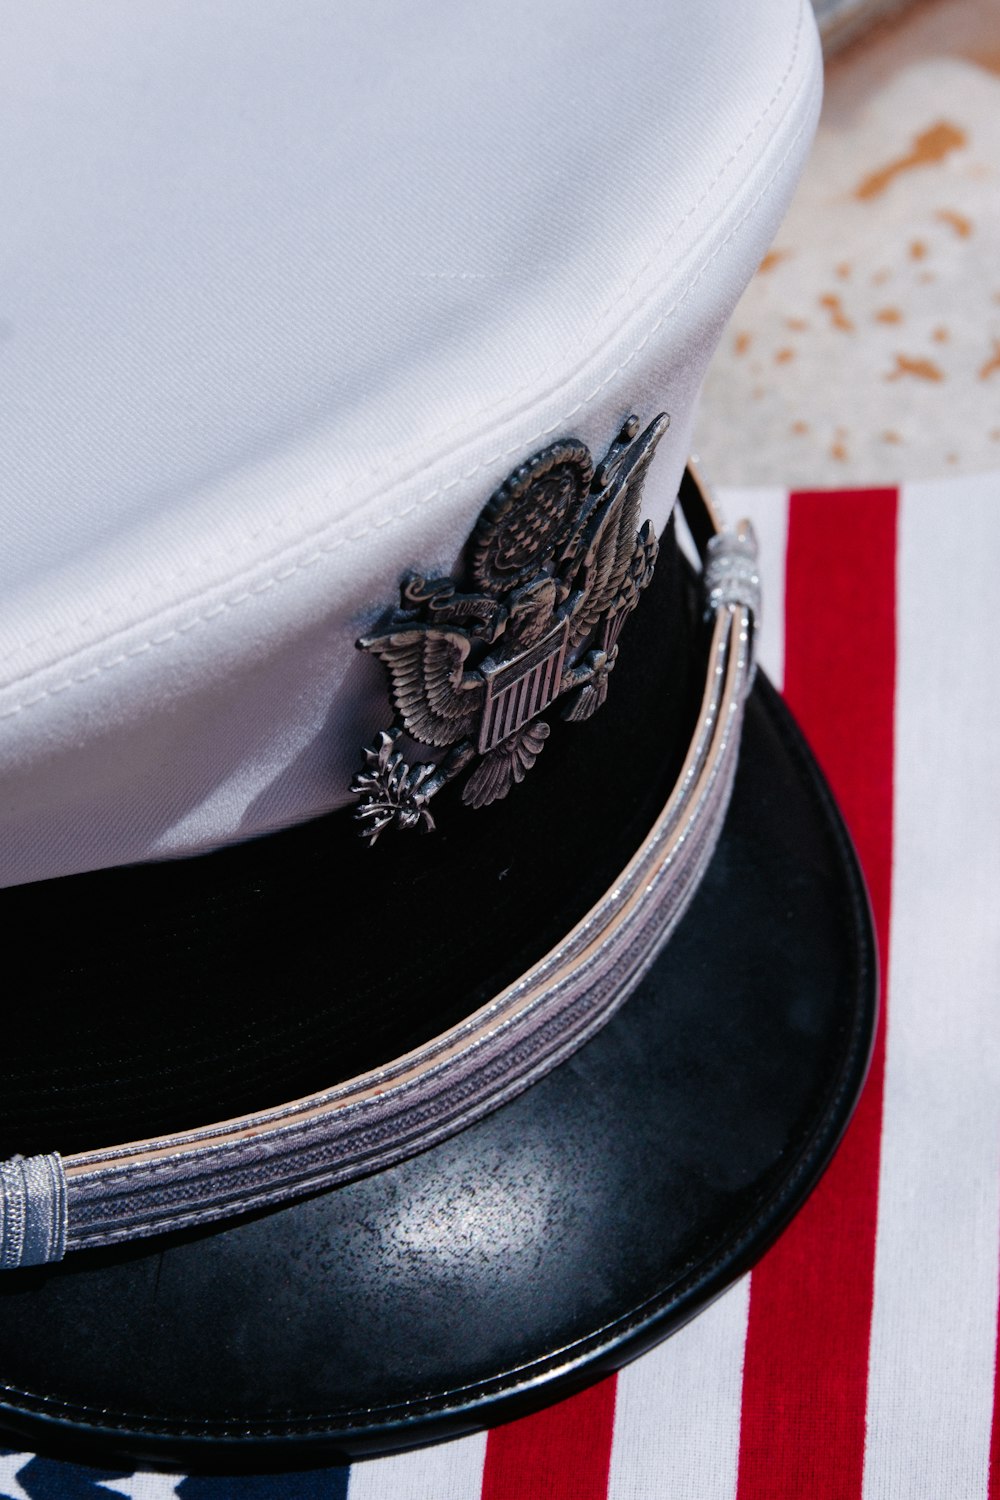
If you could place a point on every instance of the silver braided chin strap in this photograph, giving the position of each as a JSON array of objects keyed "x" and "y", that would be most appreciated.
[
  {"x": 731, "y": 575},
  {"x": 730, "y": 578},
  {"x": 121, "y": 1193},
  {"x": 33, "y": 1216}
]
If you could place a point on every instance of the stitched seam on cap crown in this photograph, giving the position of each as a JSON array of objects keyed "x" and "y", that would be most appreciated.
[
  {"x": 280, "y": 522},
  {"x": 322, "y": 551}
]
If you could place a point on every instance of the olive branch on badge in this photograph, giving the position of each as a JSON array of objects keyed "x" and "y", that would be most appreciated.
[{"x": 555, "y": 565}]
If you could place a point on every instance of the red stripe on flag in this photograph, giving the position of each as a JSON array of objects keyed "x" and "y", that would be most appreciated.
[
  {"x": 806, "y": 1365},
  {"x": 559, "y": 1454}
]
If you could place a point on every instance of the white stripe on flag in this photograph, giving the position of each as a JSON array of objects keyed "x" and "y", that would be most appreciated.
[
  {"x": 768, "y": 510},
  {"x": 677, "y": 1413},
  {"x": 447, "y": 1471},
  {"x": 934, "y": 1314}
]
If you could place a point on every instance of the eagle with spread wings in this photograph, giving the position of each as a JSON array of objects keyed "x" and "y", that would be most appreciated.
[{"x": 557, "y": 562}]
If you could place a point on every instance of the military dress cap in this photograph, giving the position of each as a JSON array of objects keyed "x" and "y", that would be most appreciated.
[{"x": 436, "y": 967}]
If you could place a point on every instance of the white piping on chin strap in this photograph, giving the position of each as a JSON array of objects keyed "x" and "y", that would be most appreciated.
[{"x": 125, "y": 1192}]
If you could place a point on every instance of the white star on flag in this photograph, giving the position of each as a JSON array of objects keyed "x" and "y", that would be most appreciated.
[
  {"x": 10, "y": 1466},
  {"x": 144, "y": 1486}
]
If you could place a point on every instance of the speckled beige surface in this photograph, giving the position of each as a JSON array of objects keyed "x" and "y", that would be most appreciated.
[{"x": 867, "y": 347}]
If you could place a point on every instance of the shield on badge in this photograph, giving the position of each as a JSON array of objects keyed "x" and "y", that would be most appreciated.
[{"x": 519, "y": 690}]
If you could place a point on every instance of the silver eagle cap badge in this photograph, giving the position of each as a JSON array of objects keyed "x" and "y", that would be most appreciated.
[{"x": 554, "y": 567}]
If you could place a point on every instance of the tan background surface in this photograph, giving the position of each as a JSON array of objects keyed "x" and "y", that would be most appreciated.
[{"x": 867, "y": 347}]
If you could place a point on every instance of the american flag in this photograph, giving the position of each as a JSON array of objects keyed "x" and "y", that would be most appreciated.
[{"x": 858, "y": 1360}]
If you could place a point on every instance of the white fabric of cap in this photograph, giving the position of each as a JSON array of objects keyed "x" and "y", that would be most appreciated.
[{"x": 286, "y": 291}]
